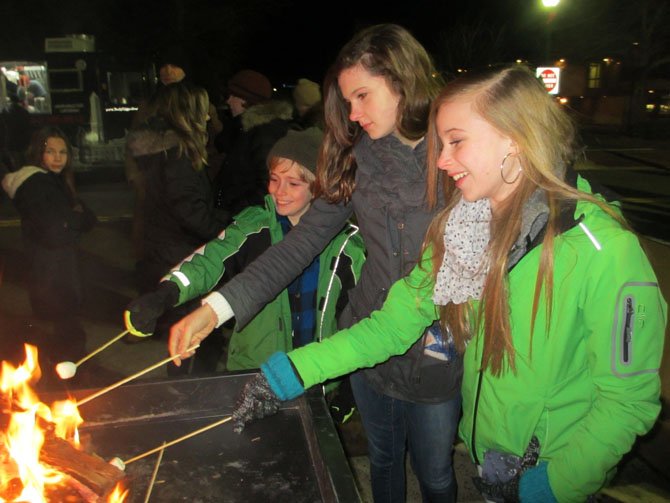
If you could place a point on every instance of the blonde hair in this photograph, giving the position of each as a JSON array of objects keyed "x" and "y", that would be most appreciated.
[
  {"x": 185, "y": 108},
  {"x": 385, "y": 50},
  {"x": 516, "y": 104}
]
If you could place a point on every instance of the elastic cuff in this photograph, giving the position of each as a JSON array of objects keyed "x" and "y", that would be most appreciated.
[
  {"x": 131, "y": 328},
  {"x": 534, "y": 485},
  {"x": 281, "y": 377},
  {"x": 220, "y": 306}
]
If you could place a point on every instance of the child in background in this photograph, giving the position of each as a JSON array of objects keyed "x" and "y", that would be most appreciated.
[
  {"x": 52, "y": 221},
  {"x": 304, "y": 312}
]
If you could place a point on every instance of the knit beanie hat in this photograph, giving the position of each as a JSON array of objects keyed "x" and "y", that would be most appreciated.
[
  {"x": 251, "y": 86},
  {"x": 299, "y": 146},
  {"x": 306, "y": 93}
]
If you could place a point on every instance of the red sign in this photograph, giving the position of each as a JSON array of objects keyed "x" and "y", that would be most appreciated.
[{"x": 550, "y": 77}]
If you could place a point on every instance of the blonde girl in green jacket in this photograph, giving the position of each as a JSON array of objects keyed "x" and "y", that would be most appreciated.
[{"x": 542, "y": 286}]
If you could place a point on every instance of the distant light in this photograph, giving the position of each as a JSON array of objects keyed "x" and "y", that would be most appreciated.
[
  {"x": 121, "y": 109},
  {"x": 636, "y": 43},
  {"x": 460, "y": 70},
  {"x": 550, "y": 3},
  {"x": 563, "y": 101},
  {"x": 607, "y": 60},
  {"x": 651, "y": 91},
  {"x": 562, "y": 60},
  {"x": 519, "y": 61},
  {"x": 274, "y": 89}
]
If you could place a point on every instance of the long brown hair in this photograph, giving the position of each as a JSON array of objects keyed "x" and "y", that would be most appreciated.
[
  {"x": 185, "y": 107},
  {"x": 386, "y": 50},
  {"x": 515, "y": 103},
  {"x": 38, "y": 143}
]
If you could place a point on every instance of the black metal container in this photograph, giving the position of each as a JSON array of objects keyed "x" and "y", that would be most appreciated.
[{"x": 295, "y": 455}]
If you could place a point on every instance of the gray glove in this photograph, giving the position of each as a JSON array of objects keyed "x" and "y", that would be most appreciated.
[
  {"x": 502, "y": 472},
  {"x": 256, "y": 401}
]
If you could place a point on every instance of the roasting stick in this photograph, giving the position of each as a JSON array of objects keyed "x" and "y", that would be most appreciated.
[
  {"x": 130, "y": 378},
  {"x": 155, "y": 472},
  {"x": 177, "y": 440},
  {"x": 66, "y": 370}
]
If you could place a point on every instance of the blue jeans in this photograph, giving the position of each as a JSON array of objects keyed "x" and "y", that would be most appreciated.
[{"x": 392, "y": 426}]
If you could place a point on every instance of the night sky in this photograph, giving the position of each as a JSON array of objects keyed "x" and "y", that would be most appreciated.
[
  {"x": 289, "y": 39},
  {"x": 285, "y": 39}
]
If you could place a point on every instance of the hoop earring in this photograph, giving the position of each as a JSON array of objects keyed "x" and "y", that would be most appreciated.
[{"x": 502, "y": 165}]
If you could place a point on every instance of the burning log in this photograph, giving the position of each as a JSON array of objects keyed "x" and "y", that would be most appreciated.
[{"x": 89, "y": 470}]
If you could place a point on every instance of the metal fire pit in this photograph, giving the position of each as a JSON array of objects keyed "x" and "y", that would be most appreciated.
[{"x": 293, "y": 456}]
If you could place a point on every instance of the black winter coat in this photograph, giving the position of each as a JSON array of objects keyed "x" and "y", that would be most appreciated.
[
  {"x": 51, "y": 229},
  {"x": 179, "y": 206}
]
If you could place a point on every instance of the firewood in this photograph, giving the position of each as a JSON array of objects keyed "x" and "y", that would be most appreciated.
[{"x": 90, "y": 470}]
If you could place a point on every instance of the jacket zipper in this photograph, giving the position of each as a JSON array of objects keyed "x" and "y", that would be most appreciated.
[
  {"x": 333, "y": 266},
  {"x": 473, "y": 449},
  {"x": 627, "y": 336}
]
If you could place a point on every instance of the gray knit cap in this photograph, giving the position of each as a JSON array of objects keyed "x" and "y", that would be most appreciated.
[{"x": 299, "y": 146}]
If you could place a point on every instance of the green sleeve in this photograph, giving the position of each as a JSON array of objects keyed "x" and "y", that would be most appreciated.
[
  {"x": 408, "y": 310},
  {"x": 622, "y": 306},
  {"x": 199, "y": 273}
]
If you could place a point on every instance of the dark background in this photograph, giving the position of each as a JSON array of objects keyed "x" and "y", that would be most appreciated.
[{"x": 288, "y": 39}]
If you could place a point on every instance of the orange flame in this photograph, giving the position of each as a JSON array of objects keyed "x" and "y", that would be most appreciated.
[
  {"x": 21, "y": 443},
  {"x": 118, "y": 495}
]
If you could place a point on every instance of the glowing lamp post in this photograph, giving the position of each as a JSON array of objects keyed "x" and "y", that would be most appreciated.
[{"x": 550, "y": 5}]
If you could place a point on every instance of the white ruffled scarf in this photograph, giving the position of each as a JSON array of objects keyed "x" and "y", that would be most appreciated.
[{"x": 466, "y": 260}]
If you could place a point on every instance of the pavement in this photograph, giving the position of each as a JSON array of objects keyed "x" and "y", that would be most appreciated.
[{"x": 108, "y": 265}]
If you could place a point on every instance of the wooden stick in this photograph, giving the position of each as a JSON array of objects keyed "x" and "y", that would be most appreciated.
[
  {"x": 130, "y": 378},
  {"x": 180, "y": 439},
  {"x": 107, "y": 344},
  {"x": 155, "y": 472}
]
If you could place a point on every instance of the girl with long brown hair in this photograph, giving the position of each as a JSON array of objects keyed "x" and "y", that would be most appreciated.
[{"x": 372, "y": 166}]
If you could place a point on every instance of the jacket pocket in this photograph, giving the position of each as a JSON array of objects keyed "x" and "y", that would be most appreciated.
[{"x": 633, "y": 330}]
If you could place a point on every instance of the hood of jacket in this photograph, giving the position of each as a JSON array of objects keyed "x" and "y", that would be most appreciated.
[
  {"x": 151, "y": 137},
  {"x": 12, "y": 181},
  {"x": 266, "y": 112}
]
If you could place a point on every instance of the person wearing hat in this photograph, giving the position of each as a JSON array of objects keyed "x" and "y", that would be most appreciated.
[
  {"x": 258, "y": 122},
  {"x": 308, "y": 103},
  {"x": 305, "y": 311}
]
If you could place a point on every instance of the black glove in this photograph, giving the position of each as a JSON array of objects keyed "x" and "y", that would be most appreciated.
[
  {"x": 142, "y": 313},
  {"x": 342, "y": 404},
  {"x": 256, "y": 401}
]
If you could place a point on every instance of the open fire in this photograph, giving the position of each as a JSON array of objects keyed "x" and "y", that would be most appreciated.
[{"x": 27, "y": 472}]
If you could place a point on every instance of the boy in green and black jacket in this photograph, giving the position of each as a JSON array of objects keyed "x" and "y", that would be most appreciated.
[{"x": 307, "y": 310}]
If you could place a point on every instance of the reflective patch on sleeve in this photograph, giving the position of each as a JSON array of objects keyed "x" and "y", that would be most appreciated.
[{"x": 181, "y": 277}]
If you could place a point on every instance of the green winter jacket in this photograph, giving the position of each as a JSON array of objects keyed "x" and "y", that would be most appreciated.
[
  {"x": 254, "y": 230},
  {"x": 591, "y": 384}
]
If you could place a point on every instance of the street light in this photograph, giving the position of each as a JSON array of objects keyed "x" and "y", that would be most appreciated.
[{"x": 549, "y": 5}]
